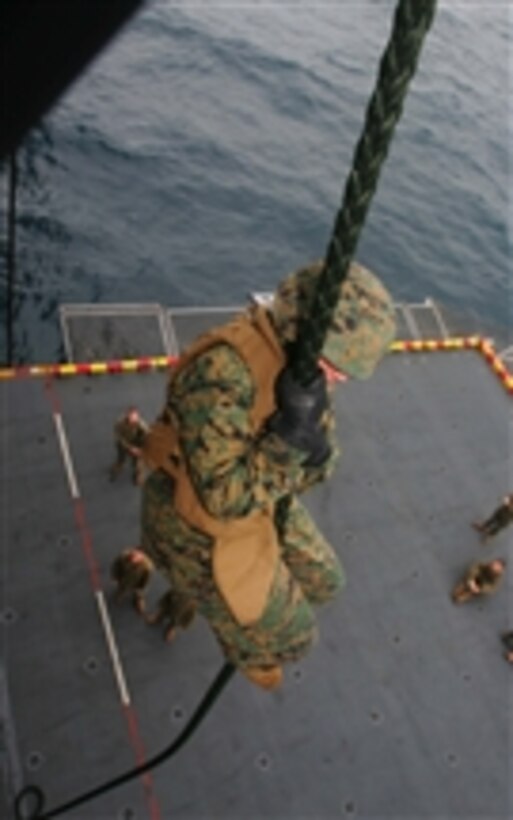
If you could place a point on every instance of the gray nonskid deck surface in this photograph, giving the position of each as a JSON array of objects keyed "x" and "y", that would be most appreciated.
[{"x": 402, "y": 708}]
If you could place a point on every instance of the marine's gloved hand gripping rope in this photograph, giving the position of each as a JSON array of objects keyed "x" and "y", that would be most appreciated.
[{"x": 297, "y": 419}]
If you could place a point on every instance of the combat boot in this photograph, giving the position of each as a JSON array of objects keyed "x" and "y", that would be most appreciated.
[{"x": 267, "y": 677}]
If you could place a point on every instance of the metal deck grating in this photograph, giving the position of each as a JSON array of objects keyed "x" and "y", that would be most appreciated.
[{"x": 98, "y": 332}]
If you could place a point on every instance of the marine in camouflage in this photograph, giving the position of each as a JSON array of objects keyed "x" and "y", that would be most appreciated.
[
  {"x": 130, "y": 431},
  {"x": 131, "y": 571},
  {"x": 210, "y": 400},
  {"x": 227, "y": 468},
  {"x": 479, "y": 579},
  {"x": 501, "y": 518}
]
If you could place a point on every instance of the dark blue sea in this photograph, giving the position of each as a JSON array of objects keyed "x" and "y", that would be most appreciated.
[{"x": 204, "y": 154}]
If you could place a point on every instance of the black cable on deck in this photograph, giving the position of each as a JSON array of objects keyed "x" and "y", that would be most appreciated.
[{"x": 35, "y": 794}]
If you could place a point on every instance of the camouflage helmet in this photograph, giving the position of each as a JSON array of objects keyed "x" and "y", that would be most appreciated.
[{"x": 363, "y": 324}]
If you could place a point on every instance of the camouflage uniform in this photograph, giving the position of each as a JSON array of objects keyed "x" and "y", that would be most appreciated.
[
  {"x": 483, "y": 576},
  {"x": 131, "y": 571},
  {"x": 228, "y": 465},
  {"x": 175, "y": 610},
  {"x": 129, "y": 434},
  {"x": 287, "y": 626},
  {"x": 499, "y": 519}
]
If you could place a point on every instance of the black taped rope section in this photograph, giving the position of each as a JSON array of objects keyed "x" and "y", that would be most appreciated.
[
  {"x": 412, "y": 21},
  {"x": 32, "y": 797}
]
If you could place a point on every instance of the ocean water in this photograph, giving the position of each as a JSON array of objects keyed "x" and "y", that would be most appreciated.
[{"x": 204, "y": 154}]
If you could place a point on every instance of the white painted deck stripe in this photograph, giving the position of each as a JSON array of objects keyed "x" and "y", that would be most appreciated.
[
  {"x": 68, "y": 464},
  {"x": 100, "y": 598},
  {"x": 113, "y": 649}
]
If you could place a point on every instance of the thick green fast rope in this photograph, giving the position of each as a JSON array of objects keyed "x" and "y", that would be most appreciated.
[{"x": 412, "y": 21}]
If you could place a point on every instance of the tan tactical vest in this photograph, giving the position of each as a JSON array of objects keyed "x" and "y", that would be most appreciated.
[{"x": 245, "y": 552}]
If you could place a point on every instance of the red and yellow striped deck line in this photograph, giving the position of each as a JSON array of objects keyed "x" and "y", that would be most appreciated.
[
  {"x": 425, "y": 345},
  {"x": 483, "y": 346},
  {"x": 140, "y": 365},
  {"x": 147, "y": 363}
]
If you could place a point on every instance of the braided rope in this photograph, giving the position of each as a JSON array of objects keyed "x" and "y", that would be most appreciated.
[{"x": 412, "y": 21}]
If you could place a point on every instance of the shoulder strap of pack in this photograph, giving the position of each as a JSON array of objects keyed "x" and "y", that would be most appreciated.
[{"x": 253, "y": 337}]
